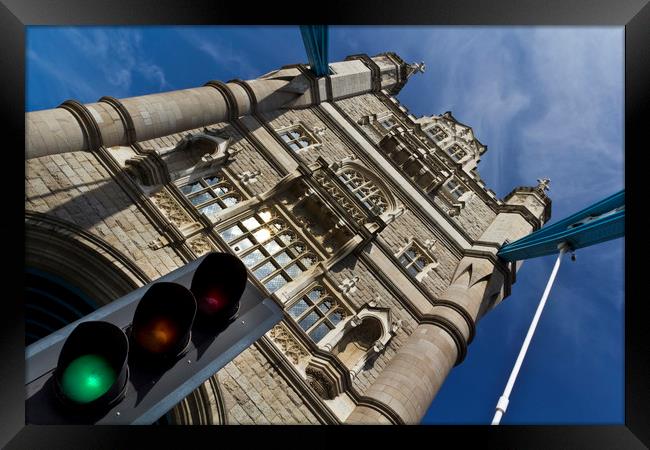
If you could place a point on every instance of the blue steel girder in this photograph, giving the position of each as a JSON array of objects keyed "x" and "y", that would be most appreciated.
[
  {"x": 316, "y": 40},
  {"x": 600, "y": 222}
]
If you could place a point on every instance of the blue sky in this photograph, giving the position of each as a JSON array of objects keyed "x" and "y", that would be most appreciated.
[{"x": 547, "y": 101}]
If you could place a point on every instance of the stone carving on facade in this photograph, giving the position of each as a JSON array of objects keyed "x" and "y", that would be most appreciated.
[
  {"x": 321, "y": 383},
  {"x": 200, "y": 245},
  {"x": 353, "y": 210},
  {"x": 349, "y": 285},
  {"x": 171, "y": 209},
  {"x": 249, "y": 176},
  {"x": 287, "y": 343},
  {"x": 319, "y": 131}
]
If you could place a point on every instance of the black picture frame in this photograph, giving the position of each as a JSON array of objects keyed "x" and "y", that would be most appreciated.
[{"x": 634, "y": 15}]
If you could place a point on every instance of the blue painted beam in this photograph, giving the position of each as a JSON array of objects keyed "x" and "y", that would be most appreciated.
[
  {"x": 600, "y": 222},
  {"x": 316, "y": 40}
]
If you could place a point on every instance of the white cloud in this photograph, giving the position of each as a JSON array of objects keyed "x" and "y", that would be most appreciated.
[
  {"x": 222, "y": 53},
  {"x": 120, "y": 54},
  {"x": 67, "y": 78}
]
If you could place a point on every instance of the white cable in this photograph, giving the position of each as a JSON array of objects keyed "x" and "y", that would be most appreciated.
[{"x": 502, "y": 404}]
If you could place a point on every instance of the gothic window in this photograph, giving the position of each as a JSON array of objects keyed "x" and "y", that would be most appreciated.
[
  {"x": 211, "y": 194},
  {"x": 364, "y": 189},
  {"x": 388, "y": 122},
  {"x": 456, "y": 152},
  {"x": 269, "y": 248},
  {"x": 436, "y": 133},
  {"x": 297, "y": 138},
  {"x": 317, "y": 312},
  {"x": 413, "y": 260},
  {"x": 454, "y": 188}
]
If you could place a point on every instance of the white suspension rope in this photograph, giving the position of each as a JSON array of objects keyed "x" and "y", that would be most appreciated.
[{"x": 502, "y": 404}]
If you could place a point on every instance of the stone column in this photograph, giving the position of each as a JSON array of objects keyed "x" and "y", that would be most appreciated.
[
  {"x": 410, "y": 381},
  {"x": 74, "y": 126}
]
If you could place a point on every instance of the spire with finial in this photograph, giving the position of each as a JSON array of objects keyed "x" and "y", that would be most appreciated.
[
  {"x": 543, "y": 184},
  {"x": 415, "y": 68}
]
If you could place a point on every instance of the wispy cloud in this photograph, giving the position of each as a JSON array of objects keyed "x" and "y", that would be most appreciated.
[
  {"x": 70, "y": 84},
  {"x": 221, "y": 52},
  {"x": 120, "y": 53}
]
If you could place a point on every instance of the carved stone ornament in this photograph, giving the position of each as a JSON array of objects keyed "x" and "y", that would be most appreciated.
[
  {"x": 349, "y": 285},
  {"x": 321, "y": 383},
  {"x": 200, "y": 245},
  {"x": 287, "y": 344},
  {"x": 249, "y": 177},
  {"x": 171, "y": 209}
]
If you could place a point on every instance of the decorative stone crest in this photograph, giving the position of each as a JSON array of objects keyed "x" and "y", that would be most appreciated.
[
  {"x": 249, "y": 177},
  {"x": 287, "y": 344},
  {"x": 171, "y": 209},
  {"x": 200, "y": 245},
  {"x": 349, "y": 285}
]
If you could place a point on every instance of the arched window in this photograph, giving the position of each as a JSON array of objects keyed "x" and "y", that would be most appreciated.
[
  {"x": 454, "y": 188},
  {"x": 317, "y": 312},
  {"x": 297, "y": 137},
  {"x": 211, "y": 194},
  {"x": 269, "y": 248},
  {"x": 436, "y": 133},
  {"x": 456, "y": 152},
  {"x": 365, "y": 189}
]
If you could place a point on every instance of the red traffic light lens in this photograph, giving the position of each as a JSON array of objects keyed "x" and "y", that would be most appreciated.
[
  {"x": 218, "y": 284},
  {"x": 158, "y": 335},
  {"x": 213, "y": 301}
]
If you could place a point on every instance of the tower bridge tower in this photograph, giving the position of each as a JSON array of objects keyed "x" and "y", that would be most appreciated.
[{"x": 370, "y": 227}]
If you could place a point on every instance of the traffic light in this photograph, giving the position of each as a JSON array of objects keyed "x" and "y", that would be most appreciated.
[{"x": 134, "y": 359}]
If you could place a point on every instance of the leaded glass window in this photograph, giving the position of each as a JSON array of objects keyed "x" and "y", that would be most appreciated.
[
  {"x": 269, "y": 248},
  {"x": 388, "y": 122},
  {"x": 211, "y": 194},
  {"x": 455, "y": 189},
  {"x": 456, "y": 152},
  {"x": 413, "y": 260},
  {"x": 296, "y": 138},
  {"x": 436, "y": 133},
  {"x": 317, "y": 313},
  {"x": 364, "y": 189}
]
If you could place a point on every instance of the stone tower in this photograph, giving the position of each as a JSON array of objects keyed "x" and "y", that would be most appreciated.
[{"x": 370, "y": 227}]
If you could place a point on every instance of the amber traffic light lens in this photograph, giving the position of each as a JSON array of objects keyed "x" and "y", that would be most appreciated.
[{"x": 158, "y": 335}]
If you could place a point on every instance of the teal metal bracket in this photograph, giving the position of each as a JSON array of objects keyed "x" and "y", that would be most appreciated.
[{"x": 600, "y": 222}]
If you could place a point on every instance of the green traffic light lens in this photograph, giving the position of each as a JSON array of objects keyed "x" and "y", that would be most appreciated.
[{"x": 87, "y": 378}]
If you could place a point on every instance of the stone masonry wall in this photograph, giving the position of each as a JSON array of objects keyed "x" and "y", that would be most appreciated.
[
  {"x": 76, "y": 187},
  {"x": 246, "y": 159},
  {"x": 255, "y": 393},
  {"x": 368, "y": 288},
  {"x": 399, "y": 232},
  {"x": 474, "y": 218}
]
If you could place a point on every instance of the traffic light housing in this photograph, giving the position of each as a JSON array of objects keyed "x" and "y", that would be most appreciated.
[
  {"x": 132, "y": 360},
  {"x": 162, "y": 322},
  {"x": 92, "y": 370}
]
